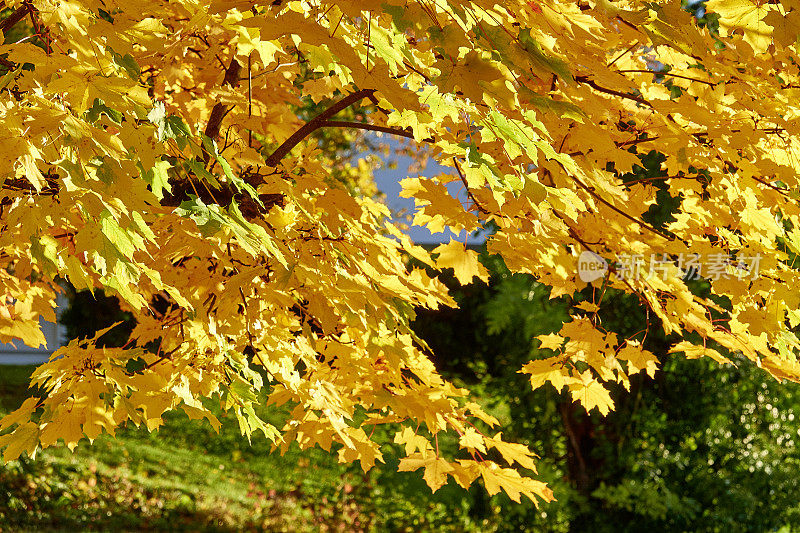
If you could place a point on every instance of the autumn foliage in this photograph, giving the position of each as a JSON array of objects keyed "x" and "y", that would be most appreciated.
[{"x": 156, "y": 151}]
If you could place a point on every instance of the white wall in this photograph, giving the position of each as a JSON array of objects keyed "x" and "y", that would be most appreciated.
[{"x": 55, "y": 334}]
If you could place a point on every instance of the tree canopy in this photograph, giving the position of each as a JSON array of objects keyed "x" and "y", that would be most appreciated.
[{"x": 163, "y": 152}]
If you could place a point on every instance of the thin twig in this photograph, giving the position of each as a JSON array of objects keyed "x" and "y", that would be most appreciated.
[
  {"x": 623, "y": 53},
  {"x": 250, "y": 97},
  {"x": 593, "y": 84},
  {"x": 469, "y": 192},
  {"x": 656, "y": 73},
  {"x": 365, "y": 126},
  {"x": 641, "y": 223}
]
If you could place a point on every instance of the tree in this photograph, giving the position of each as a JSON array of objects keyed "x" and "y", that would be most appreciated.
[
  {"x": 699, "y": 446},
  {"x": 156, "y": 150}
]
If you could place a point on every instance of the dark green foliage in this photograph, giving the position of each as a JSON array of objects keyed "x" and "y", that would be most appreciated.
[
  {"x": 701, "y": 447},
  {"x": 88, "y": 313}
]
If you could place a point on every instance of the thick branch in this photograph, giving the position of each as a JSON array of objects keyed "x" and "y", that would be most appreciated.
[
  {"x": 220, "y": 110},
  {"x": 15, "y": 17},
  {"x": 314, "y": 124},
  {"x": 23, "y": 185}
]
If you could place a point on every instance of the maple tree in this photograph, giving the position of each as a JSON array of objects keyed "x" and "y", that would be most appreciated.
[{"x": 154, "y": 150}]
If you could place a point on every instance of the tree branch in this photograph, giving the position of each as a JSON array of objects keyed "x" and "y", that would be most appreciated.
[
  {"x": 475, "y": 202},
  {"x": 220, "y": 110},
  {"x": 370, "y": 127},
  {"x": 608, "y": 204},
  {"x": 593, "y": 84},
  {"x": 697, "y": 135},
  {"x": 314, "y": 124},
  {"x": 657, "y": 73},
  {"x": 15, "y": 17}
]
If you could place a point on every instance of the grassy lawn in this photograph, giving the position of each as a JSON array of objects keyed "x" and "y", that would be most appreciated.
[{"x": 186, "y": 477}]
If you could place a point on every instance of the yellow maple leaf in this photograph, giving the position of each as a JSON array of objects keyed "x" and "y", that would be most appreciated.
[
  {"x": 472, "y": 440},
  {"x": 436, "y": 469},
  {"x": 513, "y": 484},
  {"x": 694, "y": 351},
  {"x": 465, "y": 471},
  {"x": 553, "y": 370},
  {"x": 463, "y": 261},
  {"x": 638, "y": 359},
  {"x": 513, "y": 452},
  {"x": 413, "y": 442},
  {"x": 20, "y": 415},
  {"x": 747, "y": 15},
  {"x": 591, "y": 394},
  {"x": 66, "y": 424},
  {"x": 551, "y": 341},
  {"x": 25, "y": 438}
]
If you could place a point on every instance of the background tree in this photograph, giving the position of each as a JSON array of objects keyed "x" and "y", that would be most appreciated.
[{"x": 697, "y": 447}]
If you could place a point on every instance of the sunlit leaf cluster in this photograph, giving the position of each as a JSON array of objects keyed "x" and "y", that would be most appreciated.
[{"x": 162, "y": 152}]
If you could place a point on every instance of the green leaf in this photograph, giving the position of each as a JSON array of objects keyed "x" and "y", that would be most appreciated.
[
  {"x": 169, "y": 127},
  {"x": 554, "y": 65},
  {"x": 175, "y": 127},
  {"x": 118, "y": 236},
  {"x": 236, "y": 180},
  {"x": 129, "y": 65},
  {"x": 207, "y": 218},
  {"x": 99, "y": 108},
  {"x": 158, "y": 178},
  {"x": 547, "y": 104}
]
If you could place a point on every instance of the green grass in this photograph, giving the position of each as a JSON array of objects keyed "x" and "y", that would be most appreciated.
[{"x": 187, "y": 477}]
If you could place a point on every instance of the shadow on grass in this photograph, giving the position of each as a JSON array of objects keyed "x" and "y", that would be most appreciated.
[
  {"x": 187, "y": 477},
  {"x": 14, "y": 382},
  {"x": 183, "y": 477},
  {"x": 73, "y": 493}
]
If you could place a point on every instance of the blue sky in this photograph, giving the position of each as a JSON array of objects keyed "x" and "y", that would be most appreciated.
[{"x": 388, "y": 181}]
